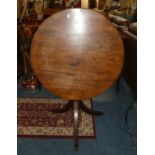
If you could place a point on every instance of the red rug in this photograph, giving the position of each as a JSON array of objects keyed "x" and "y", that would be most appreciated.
[{"x": 34, "y": 118}]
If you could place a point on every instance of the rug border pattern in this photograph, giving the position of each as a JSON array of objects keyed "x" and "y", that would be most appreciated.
[{"x": 84, "y": 132}]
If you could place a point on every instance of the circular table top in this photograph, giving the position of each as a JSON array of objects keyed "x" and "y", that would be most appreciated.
[{"x": 77, "y": 54}]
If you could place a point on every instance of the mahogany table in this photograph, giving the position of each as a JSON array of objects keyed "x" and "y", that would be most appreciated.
[{"x": 77, "y": 54}]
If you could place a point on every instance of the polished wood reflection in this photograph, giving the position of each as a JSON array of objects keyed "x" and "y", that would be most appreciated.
[{"x": 77, "y": 54}]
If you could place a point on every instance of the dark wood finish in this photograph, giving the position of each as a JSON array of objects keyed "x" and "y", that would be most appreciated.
[
  {"x": 75, "y": 124},
  {"x": 76, "y": 105},
  {"x": 77, "y": 54},
  {"x": 82, "y": 107},
  {"x": 88, "y": 111},
  {"x": 66, "y": 108}
]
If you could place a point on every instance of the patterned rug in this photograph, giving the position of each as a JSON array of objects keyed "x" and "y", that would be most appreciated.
[{"x": 34, "y": 118}]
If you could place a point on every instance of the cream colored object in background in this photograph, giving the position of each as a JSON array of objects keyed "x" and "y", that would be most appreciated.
[
  {"x": 97, "y": 1},
  {"x": 38, "y": 5},
  {"x": 84, "y": 4}
]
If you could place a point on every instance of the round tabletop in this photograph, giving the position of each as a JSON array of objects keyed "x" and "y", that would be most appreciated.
[{"x": 77, "y": 54}]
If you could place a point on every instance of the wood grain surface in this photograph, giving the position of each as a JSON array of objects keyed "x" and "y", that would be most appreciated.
[{"x": 77, "y": 54}]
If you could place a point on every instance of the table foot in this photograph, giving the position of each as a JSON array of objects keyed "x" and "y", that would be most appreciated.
[
  {"x": 66, "y": 108},
  {"x": 87, "y": 110}
]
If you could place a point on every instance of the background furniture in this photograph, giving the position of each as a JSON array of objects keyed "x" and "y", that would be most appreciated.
[
  {"x": 130, "y": 65},
  {"x": 28, "y": 23},
  {"x": 128, "y": 31}
]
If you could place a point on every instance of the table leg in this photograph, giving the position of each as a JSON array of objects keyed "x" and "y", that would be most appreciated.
[
  {"x": 76, "y": 105},
  {"x": 75, "y": 124},
  {"x": 87, "y": 110},
  {"x": 66, "y": 108}
]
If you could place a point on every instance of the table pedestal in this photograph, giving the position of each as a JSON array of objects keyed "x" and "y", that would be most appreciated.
[{"x": 76, "y": 105}]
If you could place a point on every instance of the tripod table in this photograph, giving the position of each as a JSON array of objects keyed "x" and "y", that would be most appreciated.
[{"x": 76, "y": 54}]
